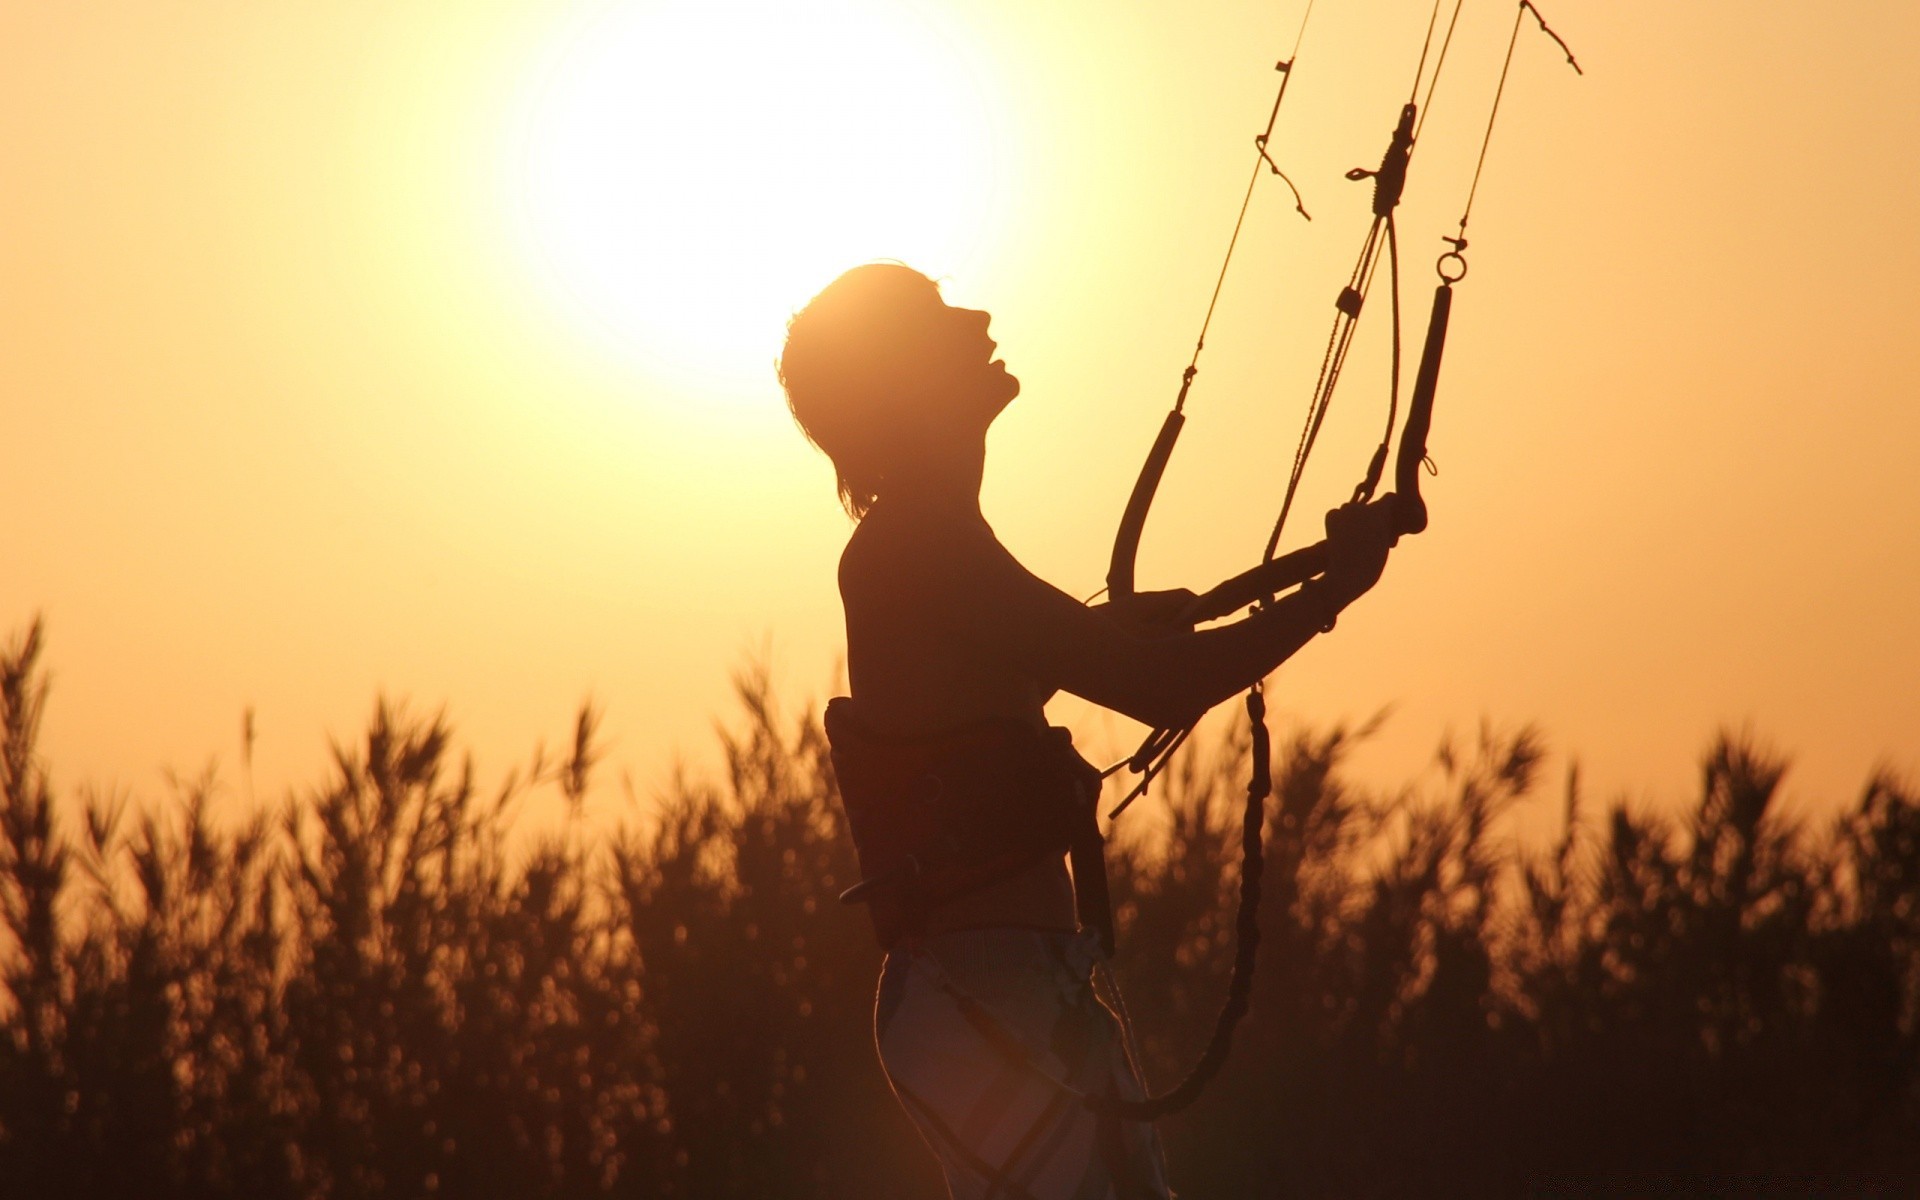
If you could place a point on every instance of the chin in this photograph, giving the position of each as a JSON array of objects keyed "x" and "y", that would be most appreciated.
[{"x": 1003, "y": 396}]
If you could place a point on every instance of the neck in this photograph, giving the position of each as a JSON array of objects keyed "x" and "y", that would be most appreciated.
[{"x": 947, "y": 481}]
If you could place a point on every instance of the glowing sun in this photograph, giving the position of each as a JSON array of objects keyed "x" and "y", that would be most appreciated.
[{"x": 693, "y": 170}]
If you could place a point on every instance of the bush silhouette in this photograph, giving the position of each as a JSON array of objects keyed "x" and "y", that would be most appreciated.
[{"x": 378, "y": 989}]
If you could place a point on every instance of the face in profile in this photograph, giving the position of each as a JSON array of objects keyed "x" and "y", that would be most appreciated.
[
  {"x": 878, "y": 366},
  {"x": 932, "y": 358},
  {"x": 956, "y": 356}
]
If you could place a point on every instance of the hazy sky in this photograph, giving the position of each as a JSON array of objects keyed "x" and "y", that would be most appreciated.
[{"x": 426, "y": 348}]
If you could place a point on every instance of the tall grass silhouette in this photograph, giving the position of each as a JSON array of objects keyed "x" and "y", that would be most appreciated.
[{"x": 377, "y": 988}]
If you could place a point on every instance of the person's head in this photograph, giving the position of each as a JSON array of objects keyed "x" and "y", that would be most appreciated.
[{"x": 880, "y": 373}]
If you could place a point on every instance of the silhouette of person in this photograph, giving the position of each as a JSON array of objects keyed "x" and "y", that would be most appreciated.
[{"x": 986, "y": 1020}]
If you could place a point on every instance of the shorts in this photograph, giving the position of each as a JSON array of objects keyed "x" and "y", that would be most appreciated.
[{"x": 992, "y": 1040}]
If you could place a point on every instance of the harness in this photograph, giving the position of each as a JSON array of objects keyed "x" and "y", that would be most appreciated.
[{"x": 939, "y": 817}]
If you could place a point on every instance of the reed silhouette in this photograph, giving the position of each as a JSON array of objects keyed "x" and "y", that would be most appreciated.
[{"x": 378, "y": 989}]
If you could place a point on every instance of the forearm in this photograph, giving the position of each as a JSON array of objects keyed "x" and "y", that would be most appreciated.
[
  {"x": 1010, "y": 615},
  {"x": 1169, "y": 682}
]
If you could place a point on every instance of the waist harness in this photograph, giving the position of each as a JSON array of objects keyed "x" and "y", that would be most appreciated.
[{"x": 934, "y": 818}]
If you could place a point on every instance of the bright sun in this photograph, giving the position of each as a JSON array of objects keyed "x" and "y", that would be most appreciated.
[{"x": 694, "y": 170}]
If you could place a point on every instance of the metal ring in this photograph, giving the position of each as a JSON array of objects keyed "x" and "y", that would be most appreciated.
[{"x": 1460, "y": 269}]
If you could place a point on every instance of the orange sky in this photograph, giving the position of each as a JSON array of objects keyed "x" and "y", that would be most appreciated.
[{"x": 323, "y": 376}]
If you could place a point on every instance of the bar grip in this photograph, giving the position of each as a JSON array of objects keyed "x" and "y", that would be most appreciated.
[
  {"x": 1410, "y": 511},
  {"x": 1268, "y": 579},
  {"x": 1126, "y": 540}
]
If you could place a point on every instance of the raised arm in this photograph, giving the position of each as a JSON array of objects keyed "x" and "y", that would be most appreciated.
[{"x": 1010, "y": 614}]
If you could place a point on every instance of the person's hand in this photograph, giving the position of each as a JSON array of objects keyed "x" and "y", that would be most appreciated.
[
  {"x": 1151, "y": 614},
  {"x": 1358, "y": 538}
]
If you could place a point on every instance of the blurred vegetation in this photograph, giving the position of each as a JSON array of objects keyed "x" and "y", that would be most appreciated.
[{"x": 378, "y": 990}]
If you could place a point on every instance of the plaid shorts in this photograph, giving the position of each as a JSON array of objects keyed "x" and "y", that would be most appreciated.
[{"x": 992, "y": 1040}]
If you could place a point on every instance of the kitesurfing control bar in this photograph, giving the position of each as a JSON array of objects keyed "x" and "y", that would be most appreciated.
[{"x": 1409, "y": 511}]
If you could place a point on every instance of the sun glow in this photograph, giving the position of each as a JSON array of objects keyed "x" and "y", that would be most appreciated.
[{"x": 693, "y": 171}]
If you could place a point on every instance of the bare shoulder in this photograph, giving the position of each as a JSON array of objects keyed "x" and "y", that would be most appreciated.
[{"x": 900, "y": 550}]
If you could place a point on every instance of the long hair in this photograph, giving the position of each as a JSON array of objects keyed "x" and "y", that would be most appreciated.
[{"x": 848, "y": 371}]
